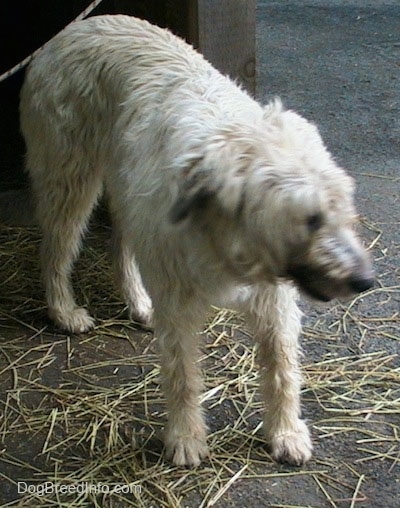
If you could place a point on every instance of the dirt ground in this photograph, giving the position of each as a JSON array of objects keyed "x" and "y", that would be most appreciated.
[{"x": 69, "y": 404}]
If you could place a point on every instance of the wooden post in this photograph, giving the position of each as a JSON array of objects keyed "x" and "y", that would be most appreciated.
[
  {"x": 223, "y": 30},
  {"x": 225, "y": 34}
]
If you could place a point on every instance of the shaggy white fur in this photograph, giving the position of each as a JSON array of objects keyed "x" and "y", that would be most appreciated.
[{"x": 214, "y": 198}]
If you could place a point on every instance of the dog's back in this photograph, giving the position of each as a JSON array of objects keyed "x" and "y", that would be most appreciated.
[
  {"x": 115, "y": 92},
  {"x": 78, "y": 87}
]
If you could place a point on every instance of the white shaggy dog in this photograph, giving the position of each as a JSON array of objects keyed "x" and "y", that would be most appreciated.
[{"x": 214, "y": 198}]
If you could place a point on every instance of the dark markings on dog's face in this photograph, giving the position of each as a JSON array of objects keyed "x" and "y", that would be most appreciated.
[
  {"x": 319, "y": 286},
  {"x": 308, "y": 280},
  {"x": 332, "y": 264}
]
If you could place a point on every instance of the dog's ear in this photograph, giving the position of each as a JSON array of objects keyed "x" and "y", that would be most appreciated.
[
  {"x": 273, "y": 111},
  {"x": 198, "y": 196},
  {"x": 216, "y": 178},
  {"x": 192, "y": 198}
]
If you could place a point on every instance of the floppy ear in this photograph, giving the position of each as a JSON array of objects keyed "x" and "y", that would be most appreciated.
[
  {"x": 215, "y": 178},
  {"x": 273, "y": 111},
  {"x": 192, "y": 197},
  {"x": 197, "y": 195}
]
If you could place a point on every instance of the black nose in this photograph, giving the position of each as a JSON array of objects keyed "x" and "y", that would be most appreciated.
[{"x": 359, "y": 285}]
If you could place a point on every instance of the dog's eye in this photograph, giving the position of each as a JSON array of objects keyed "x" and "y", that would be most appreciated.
[{"x": 314, "y": 222}]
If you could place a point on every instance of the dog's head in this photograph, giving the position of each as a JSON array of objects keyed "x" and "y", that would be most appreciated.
[{"x": 275, "y": 205}]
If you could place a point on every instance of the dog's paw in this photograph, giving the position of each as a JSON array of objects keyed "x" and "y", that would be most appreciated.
[
  {"x": 186, "y": 450},
  {"x": 142, "y": 314},
  {"x": 293, "y": 447},
  {"x": 77, "y": 320}
]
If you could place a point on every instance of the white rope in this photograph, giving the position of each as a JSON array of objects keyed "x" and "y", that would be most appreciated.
[{"x": 29, "y": 58}]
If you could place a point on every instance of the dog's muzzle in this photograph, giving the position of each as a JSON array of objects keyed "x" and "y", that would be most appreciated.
[
  {"x": 324, "y": 288},
  {"x": 359, "y": 285}
]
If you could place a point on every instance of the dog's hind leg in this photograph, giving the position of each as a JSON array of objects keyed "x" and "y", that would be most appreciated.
[
  {"x": 275, "y": 317},
  {"x": 129, "y": 280},
  {"x": 64, "y": 202}
]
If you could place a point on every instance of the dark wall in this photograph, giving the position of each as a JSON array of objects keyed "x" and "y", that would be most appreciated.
[{"x": 25, "y": 26}]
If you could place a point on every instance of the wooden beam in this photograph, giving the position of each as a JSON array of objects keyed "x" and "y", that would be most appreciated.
[
  {"x": 226, "y": 36},
  {"x": 223, "y": 30}
]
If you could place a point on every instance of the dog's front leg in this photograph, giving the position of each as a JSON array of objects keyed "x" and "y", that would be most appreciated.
[
  {"x": 276, "y": 322},
  {"x": 185, "y": 434}
]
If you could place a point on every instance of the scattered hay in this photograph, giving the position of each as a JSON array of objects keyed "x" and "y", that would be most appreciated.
[{"x": 88, "y": 411}]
